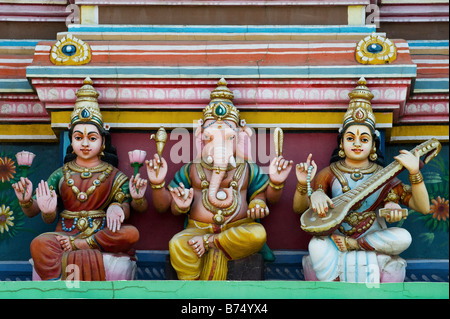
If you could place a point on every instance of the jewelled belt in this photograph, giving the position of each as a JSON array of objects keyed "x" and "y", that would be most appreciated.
[
  {"x": 359, "y": 221},
  {"x": 82, "y": 219}
]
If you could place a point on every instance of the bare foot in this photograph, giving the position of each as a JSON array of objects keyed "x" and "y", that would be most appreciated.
[
  {"x": 197, "y": 245},
  {"x": 64, "y": 241},
  {"x": 67, "y": 246}
]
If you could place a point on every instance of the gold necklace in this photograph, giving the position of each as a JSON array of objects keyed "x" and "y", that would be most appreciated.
[
  {"x": 355, "y": 172},
  {"x": 219, "y": 213},
  {"x": 86, "y": 172}
]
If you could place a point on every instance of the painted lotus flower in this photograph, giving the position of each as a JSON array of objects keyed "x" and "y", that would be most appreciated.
[
  {"x": 25, "y": 158},
  {"x": 6, "y": 219},
  {"x": 137, "y": 156},
  {"x": 7, "y": 169}
]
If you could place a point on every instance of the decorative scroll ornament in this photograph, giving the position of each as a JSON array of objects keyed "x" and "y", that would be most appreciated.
[
  {"x": 70, "y": 51},
  {"x": 221, "y": 107},
  {"x": 375, "y": 49}
]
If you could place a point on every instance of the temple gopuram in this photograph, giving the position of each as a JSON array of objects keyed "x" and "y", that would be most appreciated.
[{"x": 289, "y": 64}]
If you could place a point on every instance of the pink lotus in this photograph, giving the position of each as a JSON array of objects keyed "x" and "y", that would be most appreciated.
[
  {"x": 137, "y": 158},
  {"x": 25, "y": 158}
]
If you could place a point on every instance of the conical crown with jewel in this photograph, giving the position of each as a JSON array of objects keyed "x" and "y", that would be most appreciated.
[
  {"x": 86, "y": 106},
  {"x": 221, "y": 106},
  {"x": 360, "y": 109}
]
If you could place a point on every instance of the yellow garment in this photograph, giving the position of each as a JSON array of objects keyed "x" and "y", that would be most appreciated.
[{"x": 235, "y": 240}]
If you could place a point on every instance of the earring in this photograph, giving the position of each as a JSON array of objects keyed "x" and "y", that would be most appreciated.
[
  {"x": 341, "y": 151},
  {"x": 101, "y": 151},
  {"x": 373, "y": 154}
]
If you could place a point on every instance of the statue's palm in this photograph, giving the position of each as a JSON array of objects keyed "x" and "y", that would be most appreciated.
[
  {"x": 279, "y": 170},
  {"x": 182, "y": 197},
  {"x": 46, "y": 198},
  {"x": 156, "y": 170}
]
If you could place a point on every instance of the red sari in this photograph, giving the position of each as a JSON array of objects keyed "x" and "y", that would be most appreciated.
[{"x": 51, "y": 261}]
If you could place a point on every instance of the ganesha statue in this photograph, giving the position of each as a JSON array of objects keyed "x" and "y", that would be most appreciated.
[
  {"x": 222, "y": 192},
  {"x": 90, "y": 199},
  {"x": 348, "y": 205}
]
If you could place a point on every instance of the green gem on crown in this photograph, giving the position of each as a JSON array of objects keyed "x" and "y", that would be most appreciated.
[{"x": 220, "y": 110}]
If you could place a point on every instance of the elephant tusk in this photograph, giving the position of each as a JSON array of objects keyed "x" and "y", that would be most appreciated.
[{"x": 232, "y": 161}]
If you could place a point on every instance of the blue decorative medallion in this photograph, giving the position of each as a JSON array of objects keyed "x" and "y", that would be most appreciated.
[
  {"x": 375, "y": 48},
  {"x": 69, "y": 49}
]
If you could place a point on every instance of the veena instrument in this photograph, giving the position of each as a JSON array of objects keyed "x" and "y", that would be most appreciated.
[{"x": 323, "y": 226}]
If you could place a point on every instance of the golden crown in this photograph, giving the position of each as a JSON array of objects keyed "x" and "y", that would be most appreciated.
[
  {"x": 360, "y": 109},
  {"x": 221, "y": 107},
  {"x": 86, "y": 106}
]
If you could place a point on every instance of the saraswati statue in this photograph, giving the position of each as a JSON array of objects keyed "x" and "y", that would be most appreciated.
[
  {"x": 90, "y": 198},
  {"x": 347, "y": 204}
]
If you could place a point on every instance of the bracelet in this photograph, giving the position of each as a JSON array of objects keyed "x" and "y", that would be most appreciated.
[
  {"x": 158, "y": 186},
  {"x": 115, "y": 203},
  {"x": 416, "y": 178},
  {"x": 26, "y": 204},
  {"x": 179, "y": 210},
  {"x": 276, "y": 187},
  {"x": 48, "y": 218},
  {"x": 302, "y": 189},
  {"x": 206, "y": 241},
  {"x": 139, "y": 201}
]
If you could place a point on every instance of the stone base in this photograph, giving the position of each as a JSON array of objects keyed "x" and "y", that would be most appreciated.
[{"x": 248, "y": 268}]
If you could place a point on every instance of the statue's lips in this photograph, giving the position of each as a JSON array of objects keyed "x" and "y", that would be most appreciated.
[{"x": 86, "y": 150}]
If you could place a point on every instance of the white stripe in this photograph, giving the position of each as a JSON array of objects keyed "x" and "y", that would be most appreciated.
[
  {"x": 16, "y": 60},
  {"x": 222, "y": 53},
  {"x": 427, "y": 61},
  {"x": 29, "y": 137},
  {"x": 221, "y": 47}
]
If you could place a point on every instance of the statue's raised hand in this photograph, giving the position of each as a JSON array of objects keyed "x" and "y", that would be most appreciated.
[
  {"x": 138, "y": 186},
  {"x": 156, "y": 169},
  {"x": 23, "y": 189},
  {"x": 279, "y": 170},
  {"x": 301, "y": 170},
  {"x": 182, "y": 197},
  {"x": 46, "y": 199}
]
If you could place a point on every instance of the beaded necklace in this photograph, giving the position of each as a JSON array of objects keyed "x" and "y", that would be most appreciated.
[{"x": 85, "y": 173}]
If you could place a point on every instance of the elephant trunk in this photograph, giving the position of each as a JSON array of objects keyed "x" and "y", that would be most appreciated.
[{"x": 220, "y": 197}]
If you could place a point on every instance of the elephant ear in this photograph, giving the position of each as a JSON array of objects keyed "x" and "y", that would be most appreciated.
[
  {"x": 198, "y": 142},
  {"x": 244, "y": 147}
]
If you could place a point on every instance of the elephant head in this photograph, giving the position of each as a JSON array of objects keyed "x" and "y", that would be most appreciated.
[{"x": 223, "y": 144}]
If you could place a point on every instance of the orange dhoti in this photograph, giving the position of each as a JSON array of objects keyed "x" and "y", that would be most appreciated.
[{"x": 52, "y": 262}]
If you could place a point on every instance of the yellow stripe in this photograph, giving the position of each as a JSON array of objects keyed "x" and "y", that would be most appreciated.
[
  {"x": 253, "y": 118},
  {"x": 32, "y": 132},
  {"x": 419, "y": 133}
]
